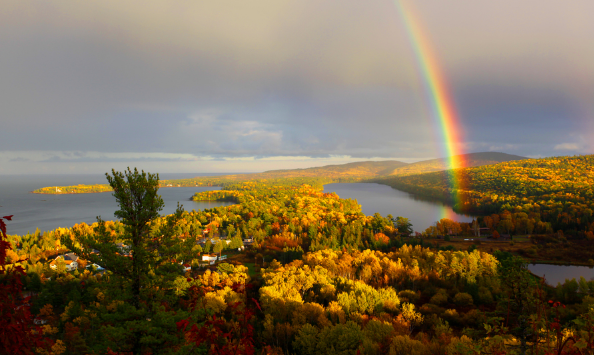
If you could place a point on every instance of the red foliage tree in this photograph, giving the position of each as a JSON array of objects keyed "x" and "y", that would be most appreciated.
[
  {"x": 220, "y": 336},
  {"x": 18, "y": 335},
  {"x": 496, "y": 235}
]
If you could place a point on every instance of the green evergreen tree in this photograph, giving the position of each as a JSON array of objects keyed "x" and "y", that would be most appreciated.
[
  {"x": 140, "y": 270},
  {"x": 403, "y": 225}
]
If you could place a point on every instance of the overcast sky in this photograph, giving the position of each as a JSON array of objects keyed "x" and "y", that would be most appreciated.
[{"x": 230, "y": 86}]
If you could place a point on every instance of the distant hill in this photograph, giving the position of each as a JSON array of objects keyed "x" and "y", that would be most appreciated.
[
  {"x": 357, "y": 169},
  {"x": 470, "y": 160},
  {"x": 554, "y": 185},
  {"x": 350, "y": 172}
]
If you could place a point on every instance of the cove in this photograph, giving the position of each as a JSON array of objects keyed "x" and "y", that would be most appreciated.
[
  {"x": 48, "y": 212},
  {"x": 387, "y": 200}
]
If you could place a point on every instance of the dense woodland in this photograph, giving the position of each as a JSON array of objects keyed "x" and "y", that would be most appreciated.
[
  {"x": 555, "y": 190},
  {"x": 319, "y": 278}
]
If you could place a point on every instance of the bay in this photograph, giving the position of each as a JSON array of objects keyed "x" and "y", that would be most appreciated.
[
  {"x": 48, "y": 212},
  {"x": 387, "y": 200}
]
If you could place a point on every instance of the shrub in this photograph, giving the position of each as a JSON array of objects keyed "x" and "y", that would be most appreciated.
[
  {"x": 413, "y": 317},
  {"x": 463, "y": 299},
  {"x": 452, "y": 316},
  {"x": 402, "y": 344},
  {"x": 378, "y": 331},
  {"x": 440, "y": 298},
  {"x": 408, "y": 296},
  {"x": 485, "y": 296},
  {"x": 442, "y": 327},
  {"x": 474, "y": 318},
  {"x": 429, "y": 308}
]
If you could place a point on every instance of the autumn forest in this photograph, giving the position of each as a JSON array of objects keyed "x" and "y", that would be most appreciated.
[{"x": 288, "y": 269}]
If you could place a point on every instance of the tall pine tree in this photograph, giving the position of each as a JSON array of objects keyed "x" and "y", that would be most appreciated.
[{"x": 141, "y": 265}]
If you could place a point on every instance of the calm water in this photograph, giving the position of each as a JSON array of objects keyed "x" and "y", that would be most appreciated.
[
  {"x": 48, "y": 212},
  {"x": 386, "y": 200},
  {"x": 559, "y": 273}
]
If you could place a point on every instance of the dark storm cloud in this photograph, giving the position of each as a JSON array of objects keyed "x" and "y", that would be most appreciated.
[
  {"x": 530, "y": 119},
  {"x": 261, "y": 79}
]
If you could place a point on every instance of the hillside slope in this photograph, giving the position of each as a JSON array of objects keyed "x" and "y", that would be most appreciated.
[
  {"x": 470, "y": 160},
  {"x": 363, "y": 168},
  {"x": 559, "y": 189},
  {"x": 351, "y": 172}
]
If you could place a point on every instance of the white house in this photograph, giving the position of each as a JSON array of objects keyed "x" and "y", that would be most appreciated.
[
  {"x": 211, "y": 258},
  {"x": 70, "y": 260}
]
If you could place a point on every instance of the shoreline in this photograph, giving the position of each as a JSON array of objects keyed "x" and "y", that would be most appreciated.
[
  {"x": 68, "y": 193},
  {"x": 97, "y": 192}
]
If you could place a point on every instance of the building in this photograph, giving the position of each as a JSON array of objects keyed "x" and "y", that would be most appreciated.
[
  {"x": 99, "y": 268},
  {"x": 186, "y": 267},
  {"x": 123, "y": 248},
  {"x": 70, "y": 260},
  {"x": 210, "y": 258}
]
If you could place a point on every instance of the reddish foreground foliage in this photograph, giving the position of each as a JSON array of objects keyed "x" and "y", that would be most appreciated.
[
  {"x": 221, "y": 336},
  {"x": 18, "y": 335}
]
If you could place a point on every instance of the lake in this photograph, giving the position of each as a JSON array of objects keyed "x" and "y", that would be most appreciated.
[
  {"x": 559, "y": 273},
  {"x": 48, "y": 212},
  {"x": 387, "y": 200}
]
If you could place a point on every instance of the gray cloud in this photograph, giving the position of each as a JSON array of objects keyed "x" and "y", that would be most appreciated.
[{"x": 290, "y": 78}]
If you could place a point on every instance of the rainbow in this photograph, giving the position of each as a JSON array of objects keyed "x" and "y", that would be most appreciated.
[{"x": 443, "y": 109}]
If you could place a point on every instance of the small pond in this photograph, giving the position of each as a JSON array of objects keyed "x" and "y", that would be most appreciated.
[{"x": 559, "y": 273}]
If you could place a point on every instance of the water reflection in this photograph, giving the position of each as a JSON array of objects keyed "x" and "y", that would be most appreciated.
[{"x": 386, "y": 200}]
